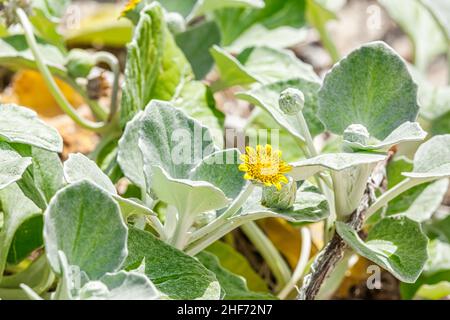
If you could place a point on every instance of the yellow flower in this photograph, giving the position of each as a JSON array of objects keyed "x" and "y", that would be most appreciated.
[
  {"x": 264, "y": 165},
  {"x": 130, "y": 6}
]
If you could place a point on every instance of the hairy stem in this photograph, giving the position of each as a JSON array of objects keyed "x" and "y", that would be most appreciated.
[
  {"x": 50, "y": 82},
  {"x": 324, "y": 186},
  {"x": 384, "y": 199},
  {"x": 301, "y": 264},
  {"x": 219, "y": 221},
  {"x": 113, "y": 63},
  {"x": 334, "y": 251},
  {"x": 271, "y": 255}
]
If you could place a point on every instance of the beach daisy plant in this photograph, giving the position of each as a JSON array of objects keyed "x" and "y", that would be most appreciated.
[{"x": 141, "y": 215}]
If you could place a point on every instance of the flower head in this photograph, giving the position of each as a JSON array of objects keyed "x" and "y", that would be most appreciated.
[
  {"x": 131, "y": 5},
  {"x": 265, "y": 166}
]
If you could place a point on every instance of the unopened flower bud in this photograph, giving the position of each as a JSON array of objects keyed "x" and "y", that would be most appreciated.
[
  {"x": 79, "y": 63},
  {"x": 357, "y": 133},
  {"x": 175, "y": 22},
  {"x": 291, "y": 101},
  {"x": 280, "y": 199}
]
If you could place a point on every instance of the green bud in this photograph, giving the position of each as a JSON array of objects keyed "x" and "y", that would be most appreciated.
[
  {"x": 79, "y": 63},
  {"x": 280, "y": 199},
  {"x": 355, "y": 134},
  {"x": 291, "y": 101},
  {"x": 175, "y": 22}
]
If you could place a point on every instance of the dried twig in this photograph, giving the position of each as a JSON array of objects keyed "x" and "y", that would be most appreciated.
[{"x": 334, "y": 251}]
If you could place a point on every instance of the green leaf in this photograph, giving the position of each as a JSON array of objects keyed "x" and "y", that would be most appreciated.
[
  {"x": 421, "y": 28},
  {"x": 46, "y": 17},
  {"x": 349, "y": 172},
  {"x": 85, "y": 223},
  {"x": 258, "y": 35},
  {"x": 12, "y": 165},
  {"x": 28, "y": 237},
  {"x": 233, "y": 287},
  {"x": 231, "y": 71},
  {"x": 101, "y": 27},
  {"x": 48, "y": 173},
  {"x": 189, "y": 197},
  {"x": 221, "y": 170},
  {"x": 267, "y": 96},
  {"x": 432, "y": 159},
  {"x": 155, "y": 65},
  {"x": 184, "y": 7},
  {"x": 15, "y": 54},
  {"x": 233, "y": 22},
  {"x": 371, "y": 87},
  {"x": 436, "y": 273},
  {"x": 304, "y": 169},
  {"x": 441, "y": 125},
  {"x": 267, "y": 65},
  {"x": 195, "y": 43},
  {"x": 395, "y": 243},
  {"x": 439, "y": 228},
  {"x": 17, "y": 210},
  {"x": 129, "y": 155},
  {"x": 78, "y": 167},
  {"x": 38, "y": 276},
  {"x": 261, "y": 119},
  {"x": 206, "y": 6},
  {"x": 406, "y": 132},
  {"x": 172, "y": 140},
  {"x": 318, "y": 16},
  {"x": 174, "y": 273},
  {"x": 235, "y": 262},
  {"x": 23, "y": 126},
  {"x": 309, "y": 206},
  {"x": 260, "y": 64},
  {"x": 196, "y": 99},
  {"x": 125, "y": 285}
]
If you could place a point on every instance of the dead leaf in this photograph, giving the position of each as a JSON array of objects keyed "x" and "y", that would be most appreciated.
[
  {"x": 29, "y": 90},
  {"x": 285, "y": 237}
]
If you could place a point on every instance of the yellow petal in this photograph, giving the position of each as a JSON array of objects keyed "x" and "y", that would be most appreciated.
[
  {"x": 277, "y": 185},
  {"x": 249, "y": 150},
  {"x": 243, "y": 167},
  {"x": 247, "y": 177},
  {"x": 283, "y": 179}
]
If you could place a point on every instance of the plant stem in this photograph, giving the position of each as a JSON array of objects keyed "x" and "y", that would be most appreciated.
[
  {"x": 196, "y": 247},
  {"x": 50, "y": 82},
  {"x": 334, "y": 251},
  {"x": 324, "y": 186},
  {"x": 384, "y": 199},
  {"x": 219, "y": 221},
  {"x": 304, "y": 129},
  {"x": 99, "y": 112},
  {"x": 271, "y": 256},
  {"x": 301, "y": 264},
  {"x": 181, "y": 235},
  {"x": 113, "y": 63}
]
